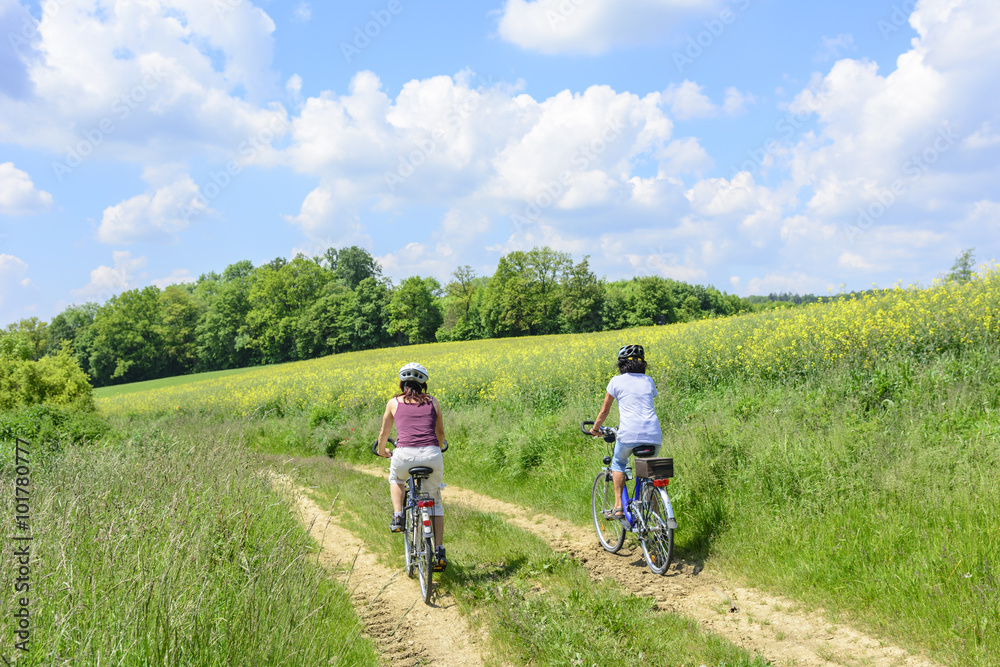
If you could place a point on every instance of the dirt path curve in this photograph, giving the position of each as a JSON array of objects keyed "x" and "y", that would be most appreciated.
[
  {"x": 407, "y": 631},
  {"x": 757, "y": 621}
]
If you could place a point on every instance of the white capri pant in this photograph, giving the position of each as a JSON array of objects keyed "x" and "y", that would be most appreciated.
[{"x": 404, "y": 458}]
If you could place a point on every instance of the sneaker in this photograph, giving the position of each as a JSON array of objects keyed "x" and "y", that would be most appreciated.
[
  {"x": 440, "y": 562},
  {"x": 396, "y": 525}
]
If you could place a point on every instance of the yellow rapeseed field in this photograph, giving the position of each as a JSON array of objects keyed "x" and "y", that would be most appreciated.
[{"x": 772, "y": 345}]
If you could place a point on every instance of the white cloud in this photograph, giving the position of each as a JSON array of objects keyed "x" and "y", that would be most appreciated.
[
  {"x": 13, "y": 281},
  {"x": 984, "y": 137},
  {"x": 736, "y": 102},
  {"x": 592, "y": 26},
  {"x": 107, "y": 281},
  {"x": 906, "y": 124},
  {"x": 302, "y": 12},
  {"x": 687, "y": 101},
  {"x": 176, "y": 277},
  {"x": 445, "y": 142},
  {"x": 153, "y": 216},
  {"x": 328, "y": 223},
  {"x": 18, "y": 195},
  {"x": 833, "y": 47},
  {"x": 855, "y": 262},
  {"x": 149, "y": 81}
]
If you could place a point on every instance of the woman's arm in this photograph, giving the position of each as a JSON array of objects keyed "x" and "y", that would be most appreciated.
[
  {"x": 439, "y": 423},
  {"x": 605, "y": 409},
  {"x": 388, "y": 419}
]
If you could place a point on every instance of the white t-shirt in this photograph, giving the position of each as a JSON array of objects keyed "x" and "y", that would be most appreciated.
[{"x": 639, "y": 423}]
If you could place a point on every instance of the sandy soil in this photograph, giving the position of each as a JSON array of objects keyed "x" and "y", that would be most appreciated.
[
  {"x": 765, "y": 624},
  {"x": 407, "y": 631}
]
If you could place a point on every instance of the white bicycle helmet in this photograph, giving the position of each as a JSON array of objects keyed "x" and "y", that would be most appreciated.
[{"x": 413, "y": 371}]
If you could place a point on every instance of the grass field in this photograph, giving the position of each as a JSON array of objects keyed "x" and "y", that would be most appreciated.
[
  {"x": 843, "y": 454},
  {"x": 157, "y": 550}
]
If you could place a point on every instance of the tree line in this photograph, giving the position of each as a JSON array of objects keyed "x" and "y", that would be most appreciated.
[{"x": 339, "y": 302}]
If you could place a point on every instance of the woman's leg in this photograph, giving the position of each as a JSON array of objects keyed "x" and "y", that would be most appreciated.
[
  {"x": 619, "y": 462},
  {"x": 397, "y": 492}
]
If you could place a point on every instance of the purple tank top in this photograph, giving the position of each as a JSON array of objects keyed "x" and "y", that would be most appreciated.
[{"x": 415, "y": 424}]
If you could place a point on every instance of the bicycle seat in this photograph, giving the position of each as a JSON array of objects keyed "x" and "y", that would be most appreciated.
[
  {"x": 643, "y": 451},
  {"x": 421, "y": 472}
]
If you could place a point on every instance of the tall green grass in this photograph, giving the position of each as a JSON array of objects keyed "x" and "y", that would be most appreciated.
[{"x": 161, "y": 552}]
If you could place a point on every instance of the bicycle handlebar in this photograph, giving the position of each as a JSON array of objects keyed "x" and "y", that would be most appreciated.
[
  {"x": 393, "y": 443},
  {"x": 610, "y": 434}
]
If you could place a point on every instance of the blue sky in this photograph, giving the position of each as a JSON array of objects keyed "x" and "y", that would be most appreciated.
[{"x": 755, "y": 145}]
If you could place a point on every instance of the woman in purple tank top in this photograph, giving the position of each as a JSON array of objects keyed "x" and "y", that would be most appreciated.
[{"x": 419, "y": 437}]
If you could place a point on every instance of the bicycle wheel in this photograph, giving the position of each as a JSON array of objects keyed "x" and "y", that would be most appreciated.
[
  {"x": 610, "y": 531},
  {"x": 658, "y": 538},
  {"x": 412, "y": 533},
  {"x": 425, "y": 567}
]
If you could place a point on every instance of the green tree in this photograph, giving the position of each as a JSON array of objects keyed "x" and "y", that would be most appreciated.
[
  {"x": 964, "y": 267},
  {"x": 522, "y": 297},
  {"x": 277, "y": 297},
  {"x": 128, "y": 342},
  {"x": 217, "y": 334},
  {"x": 413, "y": 312},
  {"x": 35, "y": 331},
  {"x": 56, "y": 379},
  {"x": 461, "y": 306},
  {"x": 180, "y": 313},
  {"x": 371, "y": 313},
  {"x": 352, "y": 265},
  {"x": 582, "y": 299},
  {"x": 69, "y": 326},
  {"x": 328, "y": 326}
]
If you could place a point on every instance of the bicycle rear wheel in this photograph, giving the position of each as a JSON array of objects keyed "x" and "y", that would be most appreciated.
[
  {"x": 425, "y": 567},
  {"x": 412, "y": 533},
  {"x": 610, "y": 531},
  {"x": 658, "y": 539}
]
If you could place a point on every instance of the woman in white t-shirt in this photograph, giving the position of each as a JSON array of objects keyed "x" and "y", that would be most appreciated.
[{"x": 638, "y": 423}]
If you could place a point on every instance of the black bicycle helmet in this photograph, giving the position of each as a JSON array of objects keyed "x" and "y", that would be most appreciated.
[{"x": 630, "y": 352}]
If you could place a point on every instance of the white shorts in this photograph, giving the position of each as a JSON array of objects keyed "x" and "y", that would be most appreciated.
[{"x": 404, "y": 458}]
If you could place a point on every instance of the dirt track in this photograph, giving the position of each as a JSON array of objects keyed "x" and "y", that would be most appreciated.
[
  {"x": 759, "y": 622},
  {"x": 407, "y": 631}
]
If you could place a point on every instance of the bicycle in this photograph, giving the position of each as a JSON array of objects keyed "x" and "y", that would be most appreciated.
[
  {"x": 418, "y": 533},
  {"x": 647, "y": 513}
]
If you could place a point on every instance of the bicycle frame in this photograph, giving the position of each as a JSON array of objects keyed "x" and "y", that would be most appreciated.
[{"x": 415, "y": 498}]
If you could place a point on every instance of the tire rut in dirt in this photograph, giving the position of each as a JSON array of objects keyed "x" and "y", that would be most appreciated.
[{"x": 393, "y": 637}]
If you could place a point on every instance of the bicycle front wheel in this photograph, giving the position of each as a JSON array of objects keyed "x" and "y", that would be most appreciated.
[
  {"x": 610, "y": 530},
  {"x": 425, "y": 568},
  {"x": 658, "y": 540}
]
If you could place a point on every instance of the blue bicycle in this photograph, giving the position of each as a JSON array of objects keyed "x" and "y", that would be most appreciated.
[{"x": 648, "y": 512}]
